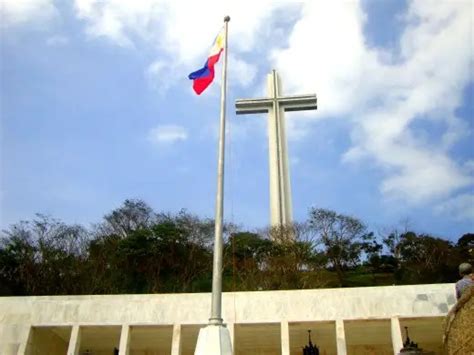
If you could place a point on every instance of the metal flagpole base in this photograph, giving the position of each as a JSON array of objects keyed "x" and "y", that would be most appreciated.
[{"x": 214, "y": 340}]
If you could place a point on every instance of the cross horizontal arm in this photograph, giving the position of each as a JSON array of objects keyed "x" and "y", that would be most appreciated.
[
  {"x": 246, "y": 106},
  {"x": 299, "y": 102}
]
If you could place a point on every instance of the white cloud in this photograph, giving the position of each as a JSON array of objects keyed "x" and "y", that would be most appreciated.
[
  {"x": 109, "y": 18},
  {"x": 469, "y": 166},
  {"x": 459, "y": 208},
  {"x": 325, "y": 55},
  {"x": 161, "y": 74},
  {"x": 174, "y": 28},
  {"x": 421, "y": 175},
  {"x": 57, "y": 41},
  {"x": 384, "y": 92},
  {"x": 167, "y": 134},
  {"x": 156, "y": 68},
  {"x": 19, "y": 12},
  {"x": 383, "y": 98},
  {"x": 241, "y": 72}
]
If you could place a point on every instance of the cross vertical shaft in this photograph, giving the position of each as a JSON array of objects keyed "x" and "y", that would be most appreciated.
[
  {"x": 281, "y": 212},
  {"x": 280, "y": 189}
]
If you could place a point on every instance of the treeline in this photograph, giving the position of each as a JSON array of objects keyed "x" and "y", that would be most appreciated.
[{"x": 136, "y": 250}]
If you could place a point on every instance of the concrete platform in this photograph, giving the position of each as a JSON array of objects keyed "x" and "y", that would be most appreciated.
[{"x": 365, "y": 320}]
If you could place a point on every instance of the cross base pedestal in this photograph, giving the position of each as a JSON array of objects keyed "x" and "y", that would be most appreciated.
[{"x": 214, "y": 340}]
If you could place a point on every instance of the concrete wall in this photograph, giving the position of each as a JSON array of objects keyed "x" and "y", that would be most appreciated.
[{"x": 391, "y": 303}]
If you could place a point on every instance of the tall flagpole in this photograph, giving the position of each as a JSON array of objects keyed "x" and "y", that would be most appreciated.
[
  {"x": 216, "y": 307},
  {"x": 214, "y": 339}
]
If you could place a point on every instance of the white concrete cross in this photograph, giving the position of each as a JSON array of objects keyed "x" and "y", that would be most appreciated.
[{"x": 275, "y": 105}]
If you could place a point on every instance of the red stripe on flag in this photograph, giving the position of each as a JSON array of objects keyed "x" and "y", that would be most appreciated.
[{"x": 201, "y": 84}]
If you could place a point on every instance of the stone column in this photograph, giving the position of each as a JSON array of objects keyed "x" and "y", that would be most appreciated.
[
  {"x": 397, "y": 340},
  {"x": 124, "y": 347},
  {"x": 176, "y": 340},
  {"x": 230, "y": 327},
  {"x": 74, "y": 341},
  {"x": 24, "y": 348},
  {"x": 340, "y": 338},
  {"x": 285, "y": 338}
]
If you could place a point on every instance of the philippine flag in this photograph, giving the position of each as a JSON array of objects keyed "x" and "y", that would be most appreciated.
[{"x": 204, "y": 76}]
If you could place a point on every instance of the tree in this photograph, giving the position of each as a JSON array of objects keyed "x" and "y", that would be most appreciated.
[
  {"x": 343, "y": 238},
  {"x": 131, "y": 216},
  {"x": 281, "y": 257},
  {"x": 426, "y": 259},
  {"x": 392, "y": 238},
  {"x": 197, "y": 260},
  {"x": 169, "y": 256},
  {"x": 465, "y": 246},
  {"x": 136, "y": 250},
  {"x": 103, "y": 266},
  {"x": 245, "y": 255},
  {"x": 17, "y": 261},
  {"x": 45, "y": 255},
  {"x": 291, "y": 265}
]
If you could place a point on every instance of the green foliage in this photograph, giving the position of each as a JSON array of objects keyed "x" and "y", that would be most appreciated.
[
  {"x": 280, "y": 260},
  {"x": 344, "y": 238},
  {"x": 465, "y": 246},
  {"x": 426, "y": 259},
  {"x": 135, "y": 250},
  {"x": 170, "y": 255},
  {"x": 43, "y": 256},
  {"x": 16, "y": 260},
  {"x": 131, "y": 216}
]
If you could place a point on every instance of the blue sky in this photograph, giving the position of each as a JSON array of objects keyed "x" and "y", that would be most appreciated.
[{"x": 96, "y": 107}]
